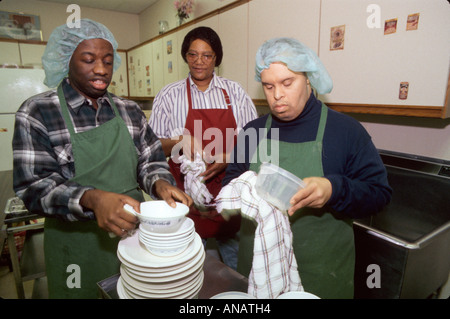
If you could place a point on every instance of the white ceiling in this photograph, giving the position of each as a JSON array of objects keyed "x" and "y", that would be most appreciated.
[{"x": 128, "y": 6}]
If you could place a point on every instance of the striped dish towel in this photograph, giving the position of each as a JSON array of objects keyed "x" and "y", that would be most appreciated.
[
  {"x": 274, "y": 267},
  {"x": 193, "y": 184}
]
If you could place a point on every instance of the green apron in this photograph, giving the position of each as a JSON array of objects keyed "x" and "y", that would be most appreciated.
[
  {"x": 323, "y": 242},
  {"x": 105, "y": 158}
]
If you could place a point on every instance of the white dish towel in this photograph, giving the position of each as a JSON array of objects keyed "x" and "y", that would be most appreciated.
[
  {"x": 193, "y": 184},
  {"x": 274, "y": 267}
]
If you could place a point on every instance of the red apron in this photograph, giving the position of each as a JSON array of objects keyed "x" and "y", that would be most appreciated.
[{"x": 209, "y": 224}]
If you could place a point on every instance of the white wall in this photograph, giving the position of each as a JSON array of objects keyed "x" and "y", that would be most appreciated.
[
  {"x": 165, "y": 10},
  {"x": 414, "y": 135},
  {"x": 124, "y": 26}
]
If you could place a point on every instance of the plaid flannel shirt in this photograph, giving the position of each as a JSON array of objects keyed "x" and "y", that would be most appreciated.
[{"x": 42, "y": 151}]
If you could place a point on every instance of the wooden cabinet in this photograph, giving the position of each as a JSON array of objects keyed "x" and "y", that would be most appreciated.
[
  {"x": 31, "y": 54},
  {"x": 10, "y": 54},
  {"x": 119, "y": 82},
  {"x": 21, "y": 54},
  {"x": 170, "y": 58},
  {"x": 158, "y": 67},
  {"x": 139, "y": 67}
]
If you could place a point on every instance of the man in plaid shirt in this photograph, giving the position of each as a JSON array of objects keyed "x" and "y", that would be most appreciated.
[{"x": 81, "y": 154}]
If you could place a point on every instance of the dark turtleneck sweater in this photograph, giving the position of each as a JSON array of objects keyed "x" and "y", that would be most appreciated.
[{"x": 349, "y": 158}]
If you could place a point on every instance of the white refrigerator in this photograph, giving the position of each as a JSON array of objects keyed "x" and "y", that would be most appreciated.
[{"x": 16, "y": 85}]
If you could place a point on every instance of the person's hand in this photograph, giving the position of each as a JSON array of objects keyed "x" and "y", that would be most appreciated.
[
  {"x": 171, "y": 194},
  {"x": 214, "y": 165},
  {"x": 316, "y": 194},
  {"x": 109, "y": 211},
  {"x": 213, "y": 170}
]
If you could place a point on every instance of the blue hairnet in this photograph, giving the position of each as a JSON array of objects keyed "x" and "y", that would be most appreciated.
[
  {"x": 62, "y": 43},
  {"x": 297, "y": 57}
]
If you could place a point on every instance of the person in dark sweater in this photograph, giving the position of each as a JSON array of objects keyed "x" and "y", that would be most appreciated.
[{"x": 333, "y": 154}]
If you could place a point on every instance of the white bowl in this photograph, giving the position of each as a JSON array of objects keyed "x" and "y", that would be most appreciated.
[
  {"x": 277, "y": 186},
  {"x": 186, "y": 228},
  {"x": 157, "y": 216},
  {"x": 167, "y": 242},
  {"x": 163, "y": 251}
]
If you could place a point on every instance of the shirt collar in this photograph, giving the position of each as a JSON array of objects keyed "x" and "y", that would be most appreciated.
[
  {"x": 215, "y": 82},
  {"x": 75, "y": 100}
]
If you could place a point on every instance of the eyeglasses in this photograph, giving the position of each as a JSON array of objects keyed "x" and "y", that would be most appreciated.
[{"x": 192, "y": 57}]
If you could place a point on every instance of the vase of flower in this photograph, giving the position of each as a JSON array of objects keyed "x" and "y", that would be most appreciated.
[{"x": 184, "y": 8}]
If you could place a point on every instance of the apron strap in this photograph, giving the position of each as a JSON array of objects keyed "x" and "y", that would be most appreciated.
[
  {"x": 320, "y": 130},
  {"x": 65, "y": 110},
  {"x": 322, "y": 123},
  {"x": 189, "y": 97}
]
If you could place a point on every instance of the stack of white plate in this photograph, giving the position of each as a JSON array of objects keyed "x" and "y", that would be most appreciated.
[{"x": 145, "y": 275}]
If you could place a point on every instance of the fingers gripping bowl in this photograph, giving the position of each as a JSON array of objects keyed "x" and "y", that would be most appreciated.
[{"x": 159, "y": 217}]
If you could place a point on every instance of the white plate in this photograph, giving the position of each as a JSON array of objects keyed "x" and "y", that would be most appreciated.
[
  {"x": 121, "y": 290},
  {"x": 297, "y": 295},
  {"x": 164, "y": 269},
  {"x": 158, "y": 286},
  {"x": 233, "y": 295},
  {"x": 148, "y": 293},
  {"x": 131, "y": 250},
  {"x": 192, "y": 291},
  {"x": 169, "y": 275}
]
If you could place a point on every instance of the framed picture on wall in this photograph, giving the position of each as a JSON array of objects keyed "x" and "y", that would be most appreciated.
[{"x": 20, "y": 26}]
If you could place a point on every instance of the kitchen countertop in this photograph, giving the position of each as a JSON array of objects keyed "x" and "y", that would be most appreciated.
[{"x": 218, "y": 278}]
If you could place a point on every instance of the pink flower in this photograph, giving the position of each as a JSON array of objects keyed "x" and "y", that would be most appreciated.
[{"x": 184, "y": 8}]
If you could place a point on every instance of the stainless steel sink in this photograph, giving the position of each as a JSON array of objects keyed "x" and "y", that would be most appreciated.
[{"x": 410, "y": 239}]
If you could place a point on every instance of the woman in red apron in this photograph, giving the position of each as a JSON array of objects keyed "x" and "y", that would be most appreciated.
[{"x": 199, "y": 103}]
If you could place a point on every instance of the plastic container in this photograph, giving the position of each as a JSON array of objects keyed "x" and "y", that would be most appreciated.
[{"x": 277, "y": 186}]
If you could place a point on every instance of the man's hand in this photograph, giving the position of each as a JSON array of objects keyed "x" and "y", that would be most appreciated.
[
  {"x": 109, "y": 211},
  {"x": 171, "y": 194},
  {"x": 316, "y": 194}
]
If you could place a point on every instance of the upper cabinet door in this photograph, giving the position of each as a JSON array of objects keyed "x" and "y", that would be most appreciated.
[
  {"x": 170, "y": 58},
  {"x": 233, "y": 32},
  {"x": 287, "y": 18},
  {"x": 32, "y": 54},
  {"x": 119, "y": 83},
  {"x": 158, "y": 66},
  {"x": 10, "y": 53}
]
